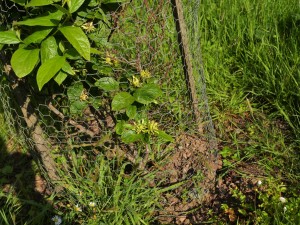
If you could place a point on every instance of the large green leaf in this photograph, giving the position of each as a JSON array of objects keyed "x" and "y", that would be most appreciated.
[
  {"x": 147, "y": 94},
  {"x": 37, "y": 36},
  {"x": 121, "y": 101},
  {"x": 48, "y": 49},
  {"x": 129, "y": 136},
  {"x": 48, "y": 70},
  {"x": 107, "y": 84},
  {"x": 74, "y": 5},
  {"x": 9, "y": 37},
  {"x": 60, "y": 77},
  {"x": 68, "y": 68},
  {"x": 50, "y": 20},
  {"x": 78, "y": 39},
  {"x": 24, "y": 60},
  {"x": 34, "y": 3}
]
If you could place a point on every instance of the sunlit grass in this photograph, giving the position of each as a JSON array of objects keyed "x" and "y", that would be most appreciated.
[
  {"x": 251, "y": 49},
  {"x": 251, "y": 59}
]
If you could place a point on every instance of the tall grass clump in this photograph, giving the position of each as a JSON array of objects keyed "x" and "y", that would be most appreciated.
[
  {"x": 251, "y": 50},
  {"x": 101, "y": 191}
]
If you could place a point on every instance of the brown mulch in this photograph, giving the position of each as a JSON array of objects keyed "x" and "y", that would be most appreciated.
[{"x": 190, "y": 160}]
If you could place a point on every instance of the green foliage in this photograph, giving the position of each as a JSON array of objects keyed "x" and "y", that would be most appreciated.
[
  {"x": 107, "y": 84},
  {"x": 78, "y": 40},
  {"x": 48, "y": 70},
  {"x": 147, "y": 93},
  {"x": 45, "y": 41},
  {"x": 9, "y": 37},
  {"x": 56, "y": 46},
  {"x": 121, "y": 101},
  {"x": 274, "y": 208},
  {"x": 24, "y": 61},
  {"x": 256, "y": 46},
  {"x": 105, "y": 195}
]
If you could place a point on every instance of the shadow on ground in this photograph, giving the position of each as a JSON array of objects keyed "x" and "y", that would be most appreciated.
[{"x": 22, "y": 190}]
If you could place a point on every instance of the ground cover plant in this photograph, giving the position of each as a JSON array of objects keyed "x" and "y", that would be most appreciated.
[{"x": 250, "y": 58}]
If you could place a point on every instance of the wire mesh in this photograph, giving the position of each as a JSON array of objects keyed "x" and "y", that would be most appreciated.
[{"x": 78, "y": 122}]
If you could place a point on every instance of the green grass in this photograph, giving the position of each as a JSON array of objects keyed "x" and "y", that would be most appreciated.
[
  {"x": 251, "y": 51},
  {"x": 251, "y": 58}
]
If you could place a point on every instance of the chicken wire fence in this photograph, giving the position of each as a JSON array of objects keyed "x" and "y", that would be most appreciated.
[{"x": 140, "y": 42}]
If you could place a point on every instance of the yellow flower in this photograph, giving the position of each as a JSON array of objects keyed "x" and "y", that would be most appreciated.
[
  {"x": 92, "y": 204},
  {"x": 111, "y": 59},
  {"x": 83, "y": 96},
  {"x": 78, "y": 208},
  {"x": 135, "y": 81},
  {"x": 89, "y": 27},
  {"x": 108, "y": 60},
  {"x": 145, "y": 74},
  {"x": 116, "y": 62},
  {"x": 140, "y": 127},
  {"x": 152, "y": 127}
]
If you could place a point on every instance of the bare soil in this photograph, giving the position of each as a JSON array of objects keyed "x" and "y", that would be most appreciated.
[{"x": 194, "y": 166}]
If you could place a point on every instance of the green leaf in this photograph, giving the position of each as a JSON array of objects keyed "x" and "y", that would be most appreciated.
[
  {"x": 74, "y": 91},
  {"x": 34, "y": 3},
  {"x": 78, "y": 40},
  {"x": 72, "y": 54},
  {"x": 37, "y": 36},
  {"x": 68, "y": 69},
  {"x": 95, "y": 51},
  {"x": 147, "y": 94},
  {"x": 48, "y": 49},
  {"x": 62, "y": 9},
  {"x": 121, "y": 101},
  {"x": 60, "y": 77},
  {"x": 163, "y": 135},
  {"x": 24, "y": 60},
  {"x": 74, "y": 5},
  {"x": 120, "y": 127},
  {"x": 107, "y": 84},
  {"x": 129, "y": 136},
  {"x": 76, "y": 105},
  {"x": 50, "y": 20},
  {"x": 131, "y": 111},
  {"x": 96, "y": 102},
  {"x": 9, "y": 37},
  {"x": 93, "y": 3},
  {"x": 48, "y": 70}
]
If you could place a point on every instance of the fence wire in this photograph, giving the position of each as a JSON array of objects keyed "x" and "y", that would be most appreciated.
[{"x": 79, "y": 125}]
